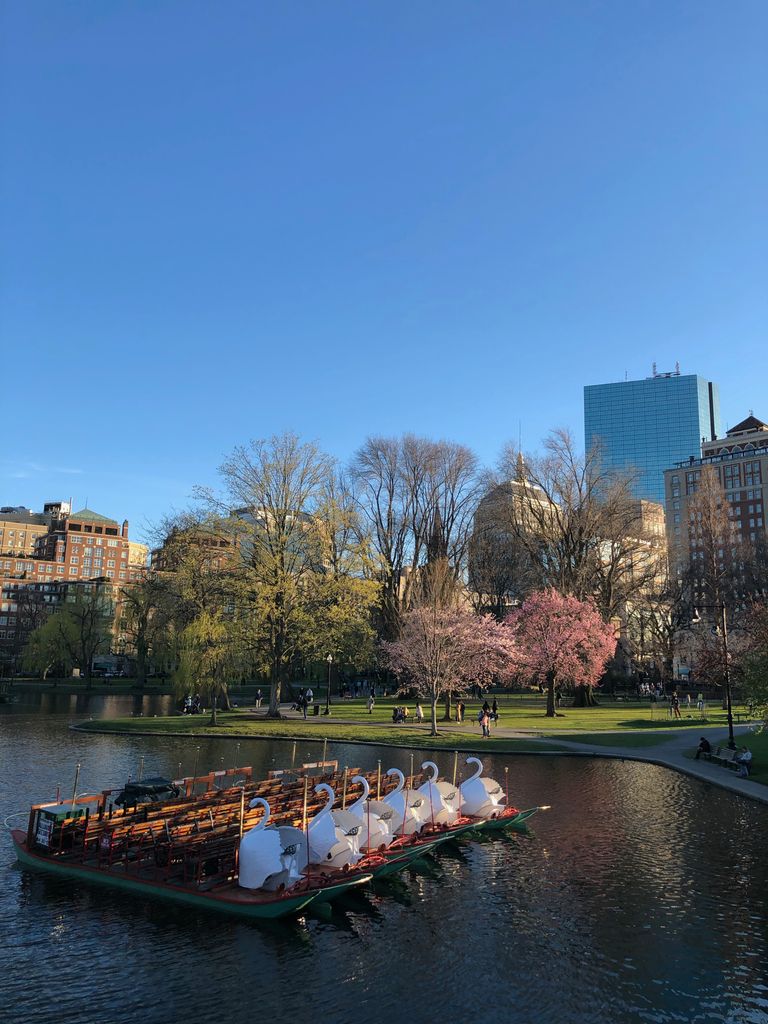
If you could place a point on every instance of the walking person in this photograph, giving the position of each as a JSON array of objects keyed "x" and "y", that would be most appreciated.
[
  {"x": 462, "y": 710},
  {"x": 675, "y": 703},
  {"x": 371, "y": 702},
  {"x": 419, "y": 712},
  {"x": 485, "y": 722}
]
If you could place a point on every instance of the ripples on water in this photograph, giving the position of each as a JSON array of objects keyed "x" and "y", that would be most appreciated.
[{"x": 641, "y": 896}]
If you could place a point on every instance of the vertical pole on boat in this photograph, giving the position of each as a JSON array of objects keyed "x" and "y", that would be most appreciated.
[
  {"x": 237, "y": 756},
  {"x": 58, "y": 792},
  {"x": 455, "y": 766},
  {"x": 325, "y": 748},
  {"x": 305, "y": 823},
  {"x": 410, "y": 780},
  {"x": 293, "y": 754},
  {"x": 378, "y": 780},
  {"x": 242, "y": 809},
  {"x": 141, "y": 769},
  {"x": 194, "y": 770},
  {"x": 344, "y": 790},
  {"x": 506, "y": 781},
  {"x": 77, "y": 778},
  {"x": 178, "y": 770}
]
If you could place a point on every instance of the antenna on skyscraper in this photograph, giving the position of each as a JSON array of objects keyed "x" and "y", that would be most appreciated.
[
  {"x": 677, "y": 369},
  {"x": 653, "y": 370}
]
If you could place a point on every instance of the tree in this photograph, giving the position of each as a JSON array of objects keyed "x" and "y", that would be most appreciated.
[
  {"x": 755, "y": 660},
  {"x": 273, "y": 488},
  {"x": 442, "y": 650},
  {"x": 77, "y": 631},
  {"x": 561, "y": 640},
  {"x": 417, "y": 499},
  {"x": 208, "y": 658},
  {"x": 341, "y": 592},
  {"x": 44, "y": 650},
  {"x": 582, "y": 531},
  {"x": 146, "y": 608},
  {"x": 193, "y": 595}
]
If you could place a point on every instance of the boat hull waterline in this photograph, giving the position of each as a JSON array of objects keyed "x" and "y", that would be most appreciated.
[{"x": 238, "y": 901}]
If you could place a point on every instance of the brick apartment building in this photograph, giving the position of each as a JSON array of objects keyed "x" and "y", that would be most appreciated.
[{"x": 43, "y": 555}]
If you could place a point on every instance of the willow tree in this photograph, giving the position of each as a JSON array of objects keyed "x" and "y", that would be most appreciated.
[{"x": 208, "y": 657}]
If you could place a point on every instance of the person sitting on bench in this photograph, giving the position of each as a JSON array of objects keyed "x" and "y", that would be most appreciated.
[
  {"x": 704, "y": 747},
  {"x": 744, "y": 759}
]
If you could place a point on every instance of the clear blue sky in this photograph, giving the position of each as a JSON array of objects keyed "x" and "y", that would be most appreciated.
[{"x": 222, "y": 220}]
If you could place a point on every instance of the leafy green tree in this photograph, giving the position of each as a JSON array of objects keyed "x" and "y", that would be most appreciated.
[
  {"x": 209, "y": 656},
  {"x": 274, "y": 487},
  {"x": 77, "y": 631},
  {"x": 146, "y": 607},
  {"x": 44, "y": 650}
]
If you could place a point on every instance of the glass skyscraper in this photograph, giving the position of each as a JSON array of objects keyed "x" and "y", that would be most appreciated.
[{"x": 646, "y": 426}]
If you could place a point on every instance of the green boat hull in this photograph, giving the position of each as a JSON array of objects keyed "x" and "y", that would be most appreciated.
[
  {"x": 264, "y": 910},
  {"x": 331, "y": 892},
  {"x": 513, "y": 822}
]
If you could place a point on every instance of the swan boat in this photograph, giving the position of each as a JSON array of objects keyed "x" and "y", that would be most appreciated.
[{"x": 217, "y": 850}]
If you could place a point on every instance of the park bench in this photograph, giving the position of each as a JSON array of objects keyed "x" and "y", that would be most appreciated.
[{"x": 725, "y": 757}]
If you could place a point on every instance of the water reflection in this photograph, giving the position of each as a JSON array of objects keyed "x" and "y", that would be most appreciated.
[{"x": 640, "y": 897}]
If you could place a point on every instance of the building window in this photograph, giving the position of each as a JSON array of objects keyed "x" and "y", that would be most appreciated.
[
  {"x": 111, "y": 563},
  {"x": 112, "y": 543}
]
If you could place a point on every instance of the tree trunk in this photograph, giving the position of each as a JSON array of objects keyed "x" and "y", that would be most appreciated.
[
  {"x": 434, "y": 716},
  {"x": 584, "y": 697},
  {"x": 275, "y": 684},
  {"x": 447, "y": 715},
  {"x": 141, "y": 665},
  {"x": 550, "y": 695}
]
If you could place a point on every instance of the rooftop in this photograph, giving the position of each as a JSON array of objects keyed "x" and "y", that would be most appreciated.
[{"x": 89, "y": 516}]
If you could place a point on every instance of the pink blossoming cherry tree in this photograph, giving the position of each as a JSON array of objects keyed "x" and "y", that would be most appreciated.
[
  {"x": 561, "y": 640},
  {"x": 444, "y": 650}
]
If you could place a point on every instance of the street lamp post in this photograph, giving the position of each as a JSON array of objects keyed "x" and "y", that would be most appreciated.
[
  {"x": 327, "y": 711},
  {"x": 723, "y": 631}
]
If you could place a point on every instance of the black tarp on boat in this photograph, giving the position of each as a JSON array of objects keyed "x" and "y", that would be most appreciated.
[{"x": 147, "y": 791}]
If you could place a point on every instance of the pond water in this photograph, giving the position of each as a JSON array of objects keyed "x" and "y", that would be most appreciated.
[{"x": 641, "y": 896}]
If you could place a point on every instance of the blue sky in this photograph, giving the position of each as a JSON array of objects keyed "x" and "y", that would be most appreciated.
[{"x": 220, "y": 221}]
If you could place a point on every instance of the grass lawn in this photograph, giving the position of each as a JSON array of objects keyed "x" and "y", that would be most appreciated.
[{"x": 239, "y": 725}]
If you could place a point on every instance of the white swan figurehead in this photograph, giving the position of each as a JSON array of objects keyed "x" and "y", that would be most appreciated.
[
  {"x": 438, "y": 810},
  {"x": 409, "y": 807},
  {"x": 375, "y": 817},
  {"x": 293, "y": 858},
  {"x": 333, "y": 837},
  {"x": 260, "y": 849},
  {"x": 481, "y": 797}
]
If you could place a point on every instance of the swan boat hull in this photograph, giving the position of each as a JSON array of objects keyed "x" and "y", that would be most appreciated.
[
  {"x": 330, "y": 891},
  {"x": 506, "y": 821},
  {"x": 230, "y": 900}
]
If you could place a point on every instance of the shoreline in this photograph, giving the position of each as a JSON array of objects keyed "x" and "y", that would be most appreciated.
[{"x": 675, "y": 760}]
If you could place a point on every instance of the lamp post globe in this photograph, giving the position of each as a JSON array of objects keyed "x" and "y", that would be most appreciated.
[{"x": 329, "y": 659}]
